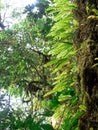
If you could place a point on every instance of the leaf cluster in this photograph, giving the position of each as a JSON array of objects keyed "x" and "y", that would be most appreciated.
[{"x": 63, "y": 65}]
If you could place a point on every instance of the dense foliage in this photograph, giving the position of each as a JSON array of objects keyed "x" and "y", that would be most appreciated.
[
  {"x": 38, "y": 66},
  {"x": 24, "y": 51}
]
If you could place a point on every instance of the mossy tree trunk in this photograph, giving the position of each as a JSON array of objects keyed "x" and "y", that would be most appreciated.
[{"x": 87, "y": 44}]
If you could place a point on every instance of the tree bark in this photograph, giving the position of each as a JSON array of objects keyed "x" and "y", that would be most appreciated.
[{"x": 86, "y": 43}]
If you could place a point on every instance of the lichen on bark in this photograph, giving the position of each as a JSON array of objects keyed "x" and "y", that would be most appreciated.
[{"x": 86, "y": 43}]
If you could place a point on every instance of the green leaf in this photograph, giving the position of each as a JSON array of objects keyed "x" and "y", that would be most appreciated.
[
  {"x": 64, "y": 98},
  {"x": 46, "y": 127},
  {"x": 82, "y": 108}
]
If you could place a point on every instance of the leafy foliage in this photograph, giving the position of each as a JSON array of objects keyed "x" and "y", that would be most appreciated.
[
  {"x": 24, "y": 51},
  {"x": 64, "y": 65},
  {"x": 41, "y": 68}
]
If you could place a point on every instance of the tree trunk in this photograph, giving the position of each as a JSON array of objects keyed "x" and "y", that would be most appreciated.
[{"x": 87, "y": 44}]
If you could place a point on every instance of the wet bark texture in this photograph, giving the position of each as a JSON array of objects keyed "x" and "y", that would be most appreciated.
[{"x": 87, "y": 44}]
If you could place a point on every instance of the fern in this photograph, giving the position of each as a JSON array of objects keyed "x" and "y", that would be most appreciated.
[{"x": 63, "y": 63}]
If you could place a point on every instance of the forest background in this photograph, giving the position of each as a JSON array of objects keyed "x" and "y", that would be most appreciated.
[{"x": 48, "y": 66}]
